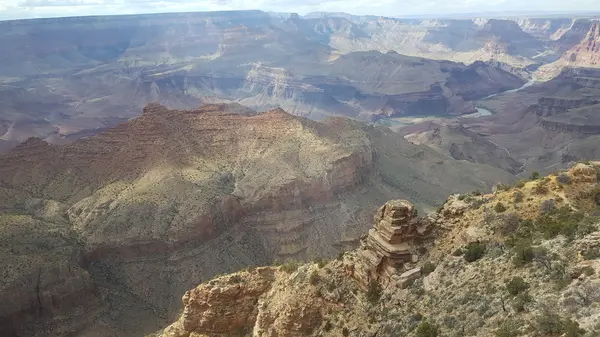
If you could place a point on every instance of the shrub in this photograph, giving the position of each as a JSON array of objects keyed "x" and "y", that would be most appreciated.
[
  {"x": 540, "y": 188},
  {"x": 341, "y": 255},
  {"x": 591, "y": 254},
  {"x": 474, "y": 251},
  {"x": 374, "y": 292},
  {"x": 550, "y": 323},
  {"x": 534, "y": 176},
  {"x": 503, "y": 187},
  {"x": 327, "y": 326},
  {"x": 499, "y": 208},
  {"x": 511, "y": 223},
  {"x": 507, "y": 329},
  {"x": 235, "y": 279},
  {"x": 521, "y": 301},
  {"x": 461, "y": 197},
  {"x": 588, "y": 270},
  {"x": 562, "y": 221},
  {"x": 426, "y": 329},
  {"x": 290, "y": 267},
  {"x": 563, "y": 179},
  {"x": 427, "y": 268},
  {"x": 314, "y": 277},
  {"x": 523, "y": 253},
  {"x": 520, "y": 184},
  {"x": 320, "y": 262},
  {"x": 518, "y": 196},
  {"x": 516, "y": 285},
  {"x": 548, "y": 206}
]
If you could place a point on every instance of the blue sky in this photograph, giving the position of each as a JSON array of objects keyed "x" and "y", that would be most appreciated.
[{"x": 15, "y": 9}]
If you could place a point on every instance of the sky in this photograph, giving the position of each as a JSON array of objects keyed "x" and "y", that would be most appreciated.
[{"x": 19, "y": 9}]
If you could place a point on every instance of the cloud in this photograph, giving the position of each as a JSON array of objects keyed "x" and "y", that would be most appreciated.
[{"x": 14, "y": 9}]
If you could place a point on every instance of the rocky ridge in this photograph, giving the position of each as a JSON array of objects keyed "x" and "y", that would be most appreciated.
[{"x": 491, "y": 264}]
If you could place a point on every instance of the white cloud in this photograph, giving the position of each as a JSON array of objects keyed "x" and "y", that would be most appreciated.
[{"x": 12, "y": 9}]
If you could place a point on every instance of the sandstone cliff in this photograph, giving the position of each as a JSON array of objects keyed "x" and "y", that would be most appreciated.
[{"x": 471, "y": 268}]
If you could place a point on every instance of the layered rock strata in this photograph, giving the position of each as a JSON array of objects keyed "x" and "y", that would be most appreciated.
[{"x": 389, "y": 247}]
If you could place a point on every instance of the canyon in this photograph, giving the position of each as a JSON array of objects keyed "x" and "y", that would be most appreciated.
[
  {"x": 144, "y": 155},
  {"x": 104, "y": 234}
]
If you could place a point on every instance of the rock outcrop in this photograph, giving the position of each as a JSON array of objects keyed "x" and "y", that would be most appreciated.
[
  {"x": 468, "y": 260},
  {"x": 390, "y": 243}
]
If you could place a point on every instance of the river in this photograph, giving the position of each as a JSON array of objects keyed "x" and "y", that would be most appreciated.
[{"x": 399, "y": 122}]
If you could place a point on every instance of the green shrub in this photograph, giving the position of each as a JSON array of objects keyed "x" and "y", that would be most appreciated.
[
  {"x": 562, "y": 221},
  {"x": 461, "y": 197},
  {"x": 521, "y": 301},
  {"x": 341, "y": 255},
  {"x": 591, "y": 254},
  {"x": 373, "y": 292},
  {"x": 508, "y": 329},
  {"x": 427, "y": 268},
  {"x": 518, "y": 197},
  {"x": 516, "y": 286},
  {"x": 523, "y": 253},
  {"x": 426, "y": 329},
  {"x": 314, "y": 277},
  {"x": 499, "y": 208},
  {"x": 534, "y": 176},
  {"x": 474, "y": 251},
  {"x": 290, "y": 267},
  {"x": 550, "y": 323}
]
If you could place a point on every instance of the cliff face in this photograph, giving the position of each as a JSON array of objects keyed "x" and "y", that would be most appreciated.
[
  {"x": 584, "y": 54},
  {"x": 411, "y": 274},
  {"x": 165, "y": 201}
]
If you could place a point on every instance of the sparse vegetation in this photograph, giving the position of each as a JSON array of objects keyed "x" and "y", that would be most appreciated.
[
  {"x": 314, "y": 277},
  {"x": 509, "y": 328},
  {"x": 427, "y": 268},
  {"x": 374, "y": 292},
  {"x": 499, "y": 208},
  {"x": 474, "y": 251},
  {"x": 563, "y": 221},
  {"x": 427, "y": 329},
  {"x": 549, "y": 323},
  {"x": 518, "y": 196},
  {"x": 563, "y": 178},
  {"x": 516, "y": 285},
  {"x": 290, "y": 267},
  {"x": 547, "y": 206},
  {"x": 534, "y": 176},
  {"x": 591, "y": 254},
  {"x": 541, "y": 188}
]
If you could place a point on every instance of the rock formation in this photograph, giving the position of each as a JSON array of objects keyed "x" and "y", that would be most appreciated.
[{"x": 390, "y": 243}]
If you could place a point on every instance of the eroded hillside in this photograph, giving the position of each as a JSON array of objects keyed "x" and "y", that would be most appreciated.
[{"x": 522, "y": 261}]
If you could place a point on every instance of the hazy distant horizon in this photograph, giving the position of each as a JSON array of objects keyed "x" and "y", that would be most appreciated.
[{"x": 27, "y": 9}]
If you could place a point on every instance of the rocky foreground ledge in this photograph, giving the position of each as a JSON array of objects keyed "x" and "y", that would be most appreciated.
[{"x": 522, "y": 261}]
